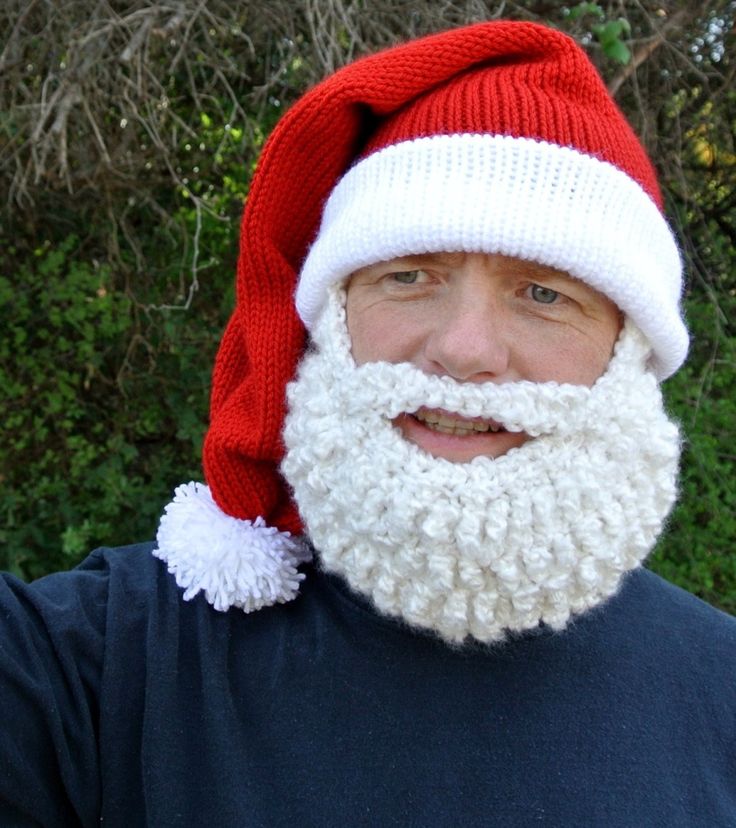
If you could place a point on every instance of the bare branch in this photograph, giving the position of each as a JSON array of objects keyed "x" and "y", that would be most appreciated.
[{"x": 646, "y": 49}]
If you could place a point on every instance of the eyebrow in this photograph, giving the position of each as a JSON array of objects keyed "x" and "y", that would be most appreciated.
[
  {"x": 447, "y": 258},
  {"x": 543, "y": 270}
]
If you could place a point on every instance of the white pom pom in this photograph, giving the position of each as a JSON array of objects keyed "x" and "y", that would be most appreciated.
[{"x": 236, "y": 563}]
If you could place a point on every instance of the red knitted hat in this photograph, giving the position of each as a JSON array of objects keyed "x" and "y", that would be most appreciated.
[{"x": 498, "y": 137}]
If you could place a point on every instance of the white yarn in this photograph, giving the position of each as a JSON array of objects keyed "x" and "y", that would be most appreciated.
[
  {"x": 515, "y": 196},
  {"x": 236, "y": 563},
  {"x": 492, "y": 545}
]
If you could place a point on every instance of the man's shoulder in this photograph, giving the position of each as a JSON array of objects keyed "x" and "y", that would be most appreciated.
[
  {"x": 110, "y": 584},
  {"x": 654, "y": 615},
  {"x": 680, "y": 607},
  {"x": 131, "y": 568}
]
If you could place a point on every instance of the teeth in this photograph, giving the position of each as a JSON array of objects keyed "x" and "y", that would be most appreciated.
[{"x": 451, "y": 425}]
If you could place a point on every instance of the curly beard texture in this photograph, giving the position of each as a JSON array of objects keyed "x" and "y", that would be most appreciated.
[{"x": 494, "y": 545}]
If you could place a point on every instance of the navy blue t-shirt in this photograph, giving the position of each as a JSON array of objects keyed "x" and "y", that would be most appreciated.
[{"x": 124, "y": 705}]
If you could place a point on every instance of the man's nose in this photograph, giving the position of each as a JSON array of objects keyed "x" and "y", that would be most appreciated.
[{"x": 469, "y": 339}]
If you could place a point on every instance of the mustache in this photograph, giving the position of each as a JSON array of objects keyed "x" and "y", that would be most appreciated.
[
  {"x": 387, "y": 390},
  {"x": 535, "y": 408}
]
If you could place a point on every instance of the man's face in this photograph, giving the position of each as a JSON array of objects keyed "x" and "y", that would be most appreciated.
[{"x": 478, "y": 317}]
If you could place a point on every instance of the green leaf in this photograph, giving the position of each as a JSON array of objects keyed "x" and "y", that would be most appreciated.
[
  {"x": 618, "y": 51},
  {"x": 583, "y": 9},
  {"x": 609, "y": 35}
]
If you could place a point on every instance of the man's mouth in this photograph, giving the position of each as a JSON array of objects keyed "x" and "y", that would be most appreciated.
[
  {"x": 447, "y": 423},
  {"x": 459, "y": 439}
]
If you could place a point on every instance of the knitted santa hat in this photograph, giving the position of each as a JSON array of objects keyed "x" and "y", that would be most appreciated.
[{"x": 500, "y": 138}]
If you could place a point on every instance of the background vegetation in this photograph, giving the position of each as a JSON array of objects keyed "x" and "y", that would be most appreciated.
[{"x": 128, "y": 133}]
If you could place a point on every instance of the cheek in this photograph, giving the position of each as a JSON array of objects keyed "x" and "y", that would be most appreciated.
[
  {"x": 577, "y": 356},
  {"x": 598, "y": 348},
  {"x": 362, "y": 344},
  {"x": 378, "y": 333}
]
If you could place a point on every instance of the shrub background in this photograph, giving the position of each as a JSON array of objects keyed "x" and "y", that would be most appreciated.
[{"x": 128, "y": 135}]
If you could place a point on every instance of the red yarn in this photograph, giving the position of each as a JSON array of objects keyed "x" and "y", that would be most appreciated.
[{"x": 516, "y": 79}]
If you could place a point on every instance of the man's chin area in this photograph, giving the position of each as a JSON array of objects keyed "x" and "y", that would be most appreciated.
[{"x": 457, "y": 439}]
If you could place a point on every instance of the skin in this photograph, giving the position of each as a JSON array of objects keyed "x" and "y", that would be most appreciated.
[{"x": 478, "y": 317}]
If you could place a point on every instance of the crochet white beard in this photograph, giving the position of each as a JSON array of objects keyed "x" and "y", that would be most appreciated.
[{"x": 494, "y": 545}]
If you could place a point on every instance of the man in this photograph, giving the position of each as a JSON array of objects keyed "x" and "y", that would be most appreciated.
[{"x": 475, "y": 454}]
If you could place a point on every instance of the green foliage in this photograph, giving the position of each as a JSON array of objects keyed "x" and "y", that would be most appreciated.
[
  {"x": 584, "y": 9},
  {"x": 115, "y": 316},
  {"x": 697, "y": 551},
  {"x": 609, "y": 33},
  {"x": 53, "y": 352},
  {"x": 97, "y": 423}
]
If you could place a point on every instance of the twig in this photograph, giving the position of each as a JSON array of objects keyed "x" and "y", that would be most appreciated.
[{"x": 646, "y": 50}]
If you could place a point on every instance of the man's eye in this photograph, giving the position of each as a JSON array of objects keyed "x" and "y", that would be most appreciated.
[
  {"x": 406, "y": 277},
  {"x": 543, "y": 295}
]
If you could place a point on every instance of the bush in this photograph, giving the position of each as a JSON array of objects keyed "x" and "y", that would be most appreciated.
[{"x": 103, "y": 408}]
